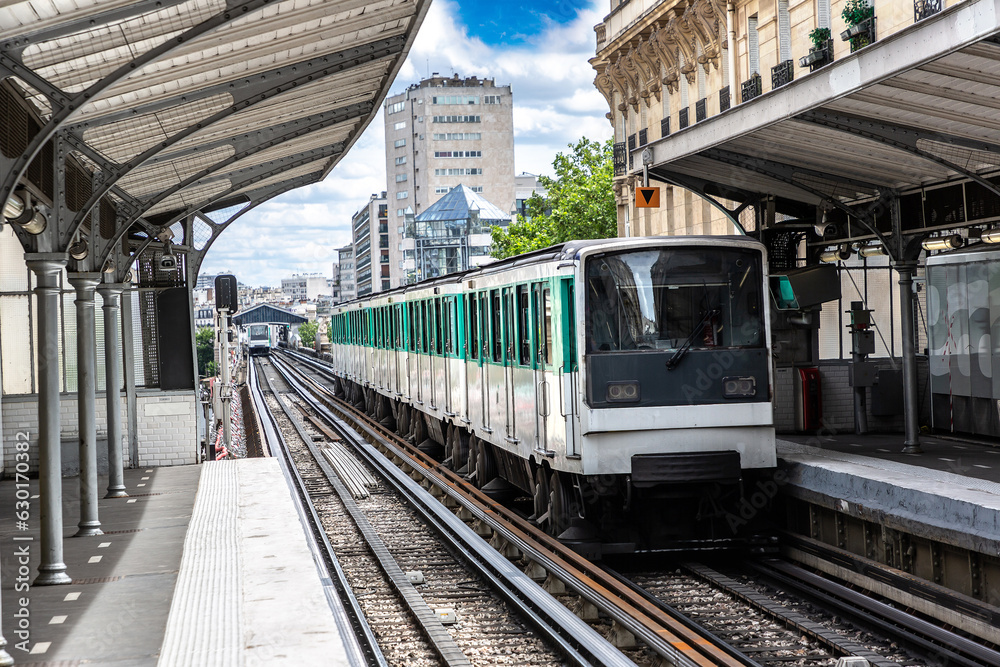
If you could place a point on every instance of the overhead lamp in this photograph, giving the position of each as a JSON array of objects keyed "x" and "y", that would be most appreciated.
[
  {"x": 837, "y": 254},
  {"x": 991, "y": 236},
  {"x": 36, "y": 225},
  {"x": 950, "y": 242},
  {"x": 79, "y": 250},
  {"x": 872, "y": 250},
  {"x": 14, "y": 207}
]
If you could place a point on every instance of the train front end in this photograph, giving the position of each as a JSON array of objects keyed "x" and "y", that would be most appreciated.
[{"x": 676, "y": 402}]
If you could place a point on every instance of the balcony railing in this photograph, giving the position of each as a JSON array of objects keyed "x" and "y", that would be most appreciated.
[
  {"x": 751, "y": 88},
  {"x": 642, "y": 137},
  {"x": 665, "y": 127},
  {"x": 682, "y": 118},
  {"x": 700, "y": 110},
  {"x": 818, "y": 57},
  {"x": 782, "y": 73},
  {"x": 924, "y": 8},
  {"x": 724, "y": 101},
  {"x": 620, "y": 158}
]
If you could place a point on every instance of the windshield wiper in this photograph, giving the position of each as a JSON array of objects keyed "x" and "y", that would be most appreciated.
[{"x": 676, "y": 357}]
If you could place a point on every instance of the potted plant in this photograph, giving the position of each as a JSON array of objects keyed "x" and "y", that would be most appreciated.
[
  {"x": 822, "y": 50},
  {"x": 859, "y": 16}
]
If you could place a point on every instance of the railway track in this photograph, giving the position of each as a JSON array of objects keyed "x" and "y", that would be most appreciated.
[{"x": 637, "y": 618}]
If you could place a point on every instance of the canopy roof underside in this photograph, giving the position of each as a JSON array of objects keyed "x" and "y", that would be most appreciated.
[{"x": 186, "y": 105}]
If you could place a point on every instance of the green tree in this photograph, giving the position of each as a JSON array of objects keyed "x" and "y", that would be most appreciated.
[
  {"x": 307, "y": 332},
  {"x": 205, "y": 342},
  {"x": 580, "y": 203}
]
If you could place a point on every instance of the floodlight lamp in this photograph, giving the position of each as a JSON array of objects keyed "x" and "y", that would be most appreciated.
[{"x": 950, "y": 242}]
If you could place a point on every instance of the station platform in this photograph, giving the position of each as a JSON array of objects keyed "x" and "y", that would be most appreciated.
[
  {"x": 201, "y": 565},
  {"x": 950, "y": 492}
]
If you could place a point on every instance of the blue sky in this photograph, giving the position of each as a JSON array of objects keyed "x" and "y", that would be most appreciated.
[{"x": 539, "y": 49}]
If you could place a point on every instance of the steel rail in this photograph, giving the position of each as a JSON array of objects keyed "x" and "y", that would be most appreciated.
[
  {"x": 576, "y": 640},
  {"x": 662, "y": 634},
  {"x": 362, "y": 648},
  {"x": 946, "y": 647},
  {"x": 440, "y": 639}
]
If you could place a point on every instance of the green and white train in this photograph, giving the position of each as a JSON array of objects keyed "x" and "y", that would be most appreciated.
[{"x": 623, "y": 384}]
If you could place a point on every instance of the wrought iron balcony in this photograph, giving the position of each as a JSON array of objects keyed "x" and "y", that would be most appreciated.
[
  {"x": 642, "y": 137},
  {"x": 724, "y": 101},
  {"x": 818, "y": 57},
  {"x": 782, "y": 73},
  {"x": 700, "y": 110},
  {"x": 751, "y": 88},
  {"x": 861, "y": 34},
  {"x": 620, "y": 158},
  {"x": 682, "y": 118},
  {"x": 924, "y": 8},
  {"x": 665, "y": 127}
]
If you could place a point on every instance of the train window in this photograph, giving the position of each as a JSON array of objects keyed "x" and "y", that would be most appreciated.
[
  {"x": 508, "y": 324},
  {"x": 446, "y": 325},
  {"x": 545, "y": 353},
  {"x": 523, "y": 326},
  {"x": 411, "y": 343},
  {"x": 438, "y": 329},
  {"x": 472, "y": 326},
  {"x": 424, "y": 329},
  {"x": 497, "y": 338}
]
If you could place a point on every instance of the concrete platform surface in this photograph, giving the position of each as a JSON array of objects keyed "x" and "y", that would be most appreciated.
[
  {"x": 249, "y": 591},
  {"x": 115, "y": 610},
  {"x": 217, "y": 549},
  {"x": 954, "y": 508}
]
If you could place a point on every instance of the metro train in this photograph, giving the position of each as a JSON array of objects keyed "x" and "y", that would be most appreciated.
[
  {"x": 623, "y": 386},
  {"x": 262, "y": 338}
]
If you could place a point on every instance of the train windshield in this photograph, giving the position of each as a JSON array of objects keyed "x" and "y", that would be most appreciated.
[
  {"x": 258, "y": 331},
  {"x": 674, "y": 298}
]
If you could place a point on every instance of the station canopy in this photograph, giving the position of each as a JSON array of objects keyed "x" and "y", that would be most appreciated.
[
  {"x": 178, "y": 108},
  {"x": 915, "y": 110},
  {"x": 267, "y": 314}
]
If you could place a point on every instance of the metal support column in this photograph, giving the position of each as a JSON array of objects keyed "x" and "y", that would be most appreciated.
[
  {"x": 225, "y": 390},
  {"x": 911, "y": 443},
  {"x": 111, "y": 296},
  {"x": 86, "y": 352},
  {"x": 52, "y": 569}
]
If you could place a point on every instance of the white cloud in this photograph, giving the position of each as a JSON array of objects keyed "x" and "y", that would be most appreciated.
[{"x": 555, "y": 103}]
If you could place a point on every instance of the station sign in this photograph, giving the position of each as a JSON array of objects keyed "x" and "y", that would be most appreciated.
[{"x": 647, "y": 197}]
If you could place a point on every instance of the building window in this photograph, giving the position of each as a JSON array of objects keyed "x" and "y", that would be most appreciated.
[
  {"x": 402, "y": 194},
  {"x": 753, "y": 45},
  {"x": 456, "y": 119},
  {"x": 401, "y": 159},
  {"x": 442, "y": 190},
  {"x": 470, "y": 171},
  {"x": 458, "y": 136},
  {"x": 400, "y": 212},
  {"x": 395, "y": 108},
  {"x": 784, "y": 32},
  {"x": 400, "y": 178},
  {"x": 420, "y": 119},
  {"x": 401, "y": 125},
  {"x": 458, "y": 153},
  {"x": 491, "y": 99},
  {"x": 399, "y": 143},
  {"x": 455, "y": 99}
]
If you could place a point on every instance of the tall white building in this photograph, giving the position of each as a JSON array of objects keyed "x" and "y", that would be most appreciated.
[
  {"x": 440, "y": 133},
  {"x": 370, "y": 236},
  {"x": 348, "y": 288},
  {"x": 305, "y": 287}
]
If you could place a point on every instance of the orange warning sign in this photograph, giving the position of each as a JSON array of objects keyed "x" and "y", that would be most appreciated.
[{"x": 647, "y": 197}]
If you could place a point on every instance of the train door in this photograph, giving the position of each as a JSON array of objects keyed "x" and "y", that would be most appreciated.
[
  {"x": 412, "y": 376},
  {"x": 541, "y": 312},
  {"x": 396, "y": 348},
  {"x": 496, "y": 387},
  {"x": 447, "y": 335},
  {"x": 472, "y": 363},
  {"x": 509, "y": 358}
]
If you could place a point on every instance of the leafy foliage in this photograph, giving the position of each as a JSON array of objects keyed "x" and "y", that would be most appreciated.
[
  {"x": 205, "y": 344},
  {"x": 307, "y": 332},
  {"x": 857, "y": 11},
  {"x": 819, "y": 37},
  {"x": 580, "y": 203}
]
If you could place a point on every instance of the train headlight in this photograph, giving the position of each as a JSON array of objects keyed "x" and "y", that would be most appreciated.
[
  {"x": 623, "y": 392},
  {"x": 739, "y": 387}
]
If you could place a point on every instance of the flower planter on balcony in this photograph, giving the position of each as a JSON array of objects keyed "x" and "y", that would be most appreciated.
[
  {"x": 861, "y": 34},
  {"x": 818, "y": 57}
]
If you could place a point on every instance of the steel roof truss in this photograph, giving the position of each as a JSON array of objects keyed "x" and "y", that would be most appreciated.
[
  {"x": 905, "y": 139},
  {"x": 247, "y": 144},
  {"x": 17, "y": 45},
  {"x": 252, "y": 91},
  {"x": 64, "y": 106}
]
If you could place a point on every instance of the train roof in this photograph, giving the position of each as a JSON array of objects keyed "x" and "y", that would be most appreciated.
[{"x": 567, "y": 251}]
